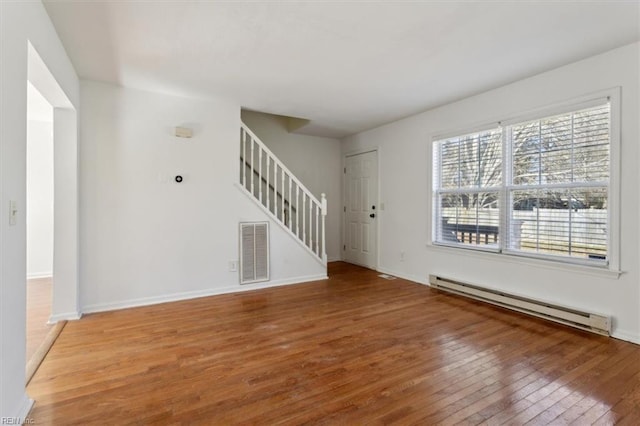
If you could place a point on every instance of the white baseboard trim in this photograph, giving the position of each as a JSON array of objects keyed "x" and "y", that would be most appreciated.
[
  {"x": 287, "y": 281},
  {"x": 626, "y": 336},
  {"x": 23, "y": 411},
  {"x": 410, "y": 277},
  {"x": 175, "y": 297},
  {"x": 65, "y": 316},
  {"x": 39, "y": 275},
  {"x": 334, "y": 259}
]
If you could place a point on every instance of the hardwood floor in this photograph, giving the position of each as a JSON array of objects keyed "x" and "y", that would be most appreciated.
[
  {"x": 354, "y": 349},
  {"x": 38, "y": 312}
]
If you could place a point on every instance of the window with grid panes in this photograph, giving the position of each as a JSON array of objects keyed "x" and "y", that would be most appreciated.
[{"x": 534, "y": 188}]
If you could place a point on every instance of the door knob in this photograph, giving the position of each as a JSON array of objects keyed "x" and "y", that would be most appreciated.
[{"x": 372, "y": 215}]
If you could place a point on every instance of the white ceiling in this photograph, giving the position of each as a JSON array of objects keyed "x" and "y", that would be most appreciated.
[{"x": 346, "y": 66}]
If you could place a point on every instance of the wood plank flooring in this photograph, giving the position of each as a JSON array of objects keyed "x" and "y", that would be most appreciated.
[{"x": 354, "y": 349}]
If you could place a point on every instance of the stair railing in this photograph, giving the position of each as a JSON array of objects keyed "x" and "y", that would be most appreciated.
[{"x": 288, "y": 201}]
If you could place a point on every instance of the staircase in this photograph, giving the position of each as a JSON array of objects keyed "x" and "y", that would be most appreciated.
[{"x": 282, "y": 195}]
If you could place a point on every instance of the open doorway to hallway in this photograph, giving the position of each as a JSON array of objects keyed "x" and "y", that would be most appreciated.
[
  {"x": 39, "y": 218},
  {"x": 51, "y": 210}
]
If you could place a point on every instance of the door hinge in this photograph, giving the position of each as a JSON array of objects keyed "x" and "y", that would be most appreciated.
[
  {"x": 345, "y": 170},
  {"x": 345, "y": 209},
  {"x": 344, "y": 247}
]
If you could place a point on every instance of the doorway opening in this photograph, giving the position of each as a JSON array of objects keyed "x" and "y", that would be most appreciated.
[
  {"x": 51, "y": 210},
  {"x": 39, "y": 218}
]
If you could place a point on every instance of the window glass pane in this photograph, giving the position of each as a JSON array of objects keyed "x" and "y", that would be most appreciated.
[
  {"x": 470, "y": 219},
  {"x": 450, "y": 156},
  {"x": 490, "y": 159},
  {"x": 567, "y": 222},
  {"x": 591, "y": 145},
  {"x": 471, "y": 161},
  {"x": 571, "y": 147},
  {"x": 589, "y": 223},
  {"x": 526, "y": 153},
  {"x": 563, "y": 162},
  {"x": 555, "y": 149}
]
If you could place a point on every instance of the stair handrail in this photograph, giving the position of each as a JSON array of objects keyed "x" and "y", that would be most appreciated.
[
  {"x": 277, "y": 161},
  {"x": 320, "y": 204}
]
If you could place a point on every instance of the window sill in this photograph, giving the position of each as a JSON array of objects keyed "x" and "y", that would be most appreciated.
[{"x": 528, "y": 261}]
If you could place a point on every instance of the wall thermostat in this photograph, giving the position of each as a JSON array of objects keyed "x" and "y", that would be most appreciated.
[{"x": 178, "y": 178}]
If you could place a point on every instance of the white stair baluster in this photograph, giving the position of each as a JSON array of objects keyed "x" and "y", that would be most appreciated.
[
  {"x": 317, "y": 227},
  {"x": 323, "y": 200},
  {"x": 243, "y": 140},
  {"x": 312, "y": 236},
  {"x": 260, "y": 173},
  {"x": 311, "y": 224},
  {"x": 282, "y": 197},
  {"x": 251, "y": 174},
  {"x": 297, "y": 211},
  {"x": 290, "y": 221},
  {"x": 278, "y": 209}
]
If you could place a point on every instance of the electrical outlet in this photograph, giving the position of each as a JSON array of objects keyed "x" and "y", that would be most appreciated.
[
  {"x": 401, "y": 256},
  {"x": 233, "y": 266}
]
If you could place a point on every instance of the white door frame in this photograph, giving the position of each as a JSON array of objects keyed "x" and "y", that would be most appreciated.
[
  {"x": 65, "y": 304},
  {"x": 343, "y": 222}
]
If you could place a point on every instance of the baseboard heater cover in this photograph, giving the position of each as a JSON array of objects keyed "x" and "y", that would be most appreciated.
[{"x": 595, "y": 323}]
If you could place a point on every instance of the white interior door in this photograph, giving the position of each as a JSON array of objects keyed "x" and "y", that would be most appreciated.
[{"x": 361, "y": 209}]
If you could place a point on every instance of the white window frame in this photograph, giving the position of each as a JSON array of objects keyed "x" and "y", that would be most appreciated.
[
  {"x": 613, "y": 197},
  {"x": 434, "y": 197}
]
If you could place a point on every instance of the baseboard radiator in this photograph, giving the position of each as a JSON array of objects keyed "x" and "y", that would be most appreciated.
[{"x": 583, "y": 320}]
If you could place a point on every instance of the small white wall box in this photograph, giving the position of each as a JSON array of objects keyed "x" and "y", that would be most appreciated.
[{"x": 184, "y": 132}]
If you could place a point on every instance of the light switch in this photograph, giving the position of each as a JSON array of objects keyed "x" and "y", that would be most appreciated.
[{"x": 13, "y": 213}]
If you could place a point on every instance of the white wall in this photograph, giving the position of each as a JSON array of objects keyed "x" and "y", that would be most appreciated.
[
  {"x": 405, "y": 182},
  {"x": 20, "y": 22},
  {"x": 40, "y": 198},
  {"x": 314, "y": 160},
  {"x": 145, "y": 238}
]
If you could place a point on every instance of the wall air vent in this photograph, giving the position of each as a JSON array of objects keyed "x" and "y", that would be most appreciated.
[{"x": 254, "y": 252}]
